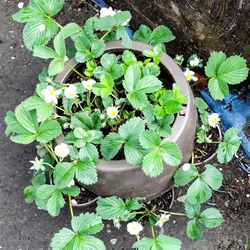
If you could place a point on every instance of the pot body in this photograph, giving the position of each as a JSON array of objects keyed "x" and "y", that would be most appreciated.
[{"x": 117, "y": 177}]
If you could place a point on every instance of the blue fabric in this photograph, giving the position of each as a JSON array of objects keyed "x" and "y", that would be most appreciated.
[
  {"x": 102, "y": 4},
  {"x": 236, "y": 116}
]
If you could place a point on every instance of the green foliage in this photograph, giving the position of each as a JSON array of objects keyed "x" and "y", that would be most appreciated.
[
  {"x": 202, "y": 109},
  {"x": 200, "y": 190},
  {"x": 114, "y": 207},
  {"x": 128, "y": 135},
  {"x": 109, "y": 66},
  {"x": 158, "y": 243},
  {"x": 80, "y": 237},
  {"x": 223, "y": 71},
  {"x": 229, "y": 146},
  {"x": 38, "y": 13},
  {"x": 210, "y": 218},
  {"x": 158, "y": 152},
  {"x": 161, "y": 34},
  {"x": 24, "y": 128}
]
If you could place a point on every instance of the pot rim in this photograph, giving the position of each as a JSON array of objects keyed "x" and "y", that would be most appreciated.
[
  {"x": 178, "y": 77},
  {"x": 214, "y": 154}
]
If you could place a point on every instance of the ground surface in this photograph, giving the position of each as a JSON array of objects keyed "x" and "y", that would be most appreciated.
[{"x": 25, "y": 227}]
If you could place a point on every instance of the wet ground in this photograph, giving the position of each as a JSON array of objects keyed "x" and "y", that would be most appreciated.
[{"x": 25, "y": 227}]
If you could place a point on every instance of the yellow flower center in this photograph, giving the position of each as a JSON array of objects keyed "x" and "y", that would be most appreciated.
[
  {"x": 113, "y": 113},
  {"x": 52, "y": 92}
]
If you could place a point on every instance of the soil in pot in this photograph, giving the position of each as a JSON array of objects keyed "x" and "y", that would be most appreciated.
[{"x": 202, "y": 151}]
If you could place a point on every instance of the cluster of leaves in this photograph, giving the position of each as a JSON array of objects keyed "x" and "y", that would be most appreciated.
[
  {"x": 230, "y": 144},
  {"x": 199, "y": 192},
  {"x": 222, "y": 71}
]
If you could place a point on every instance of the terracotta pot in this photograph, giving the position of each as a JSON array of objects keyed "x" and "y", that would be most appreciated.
[{"x": 117, "y": 177}]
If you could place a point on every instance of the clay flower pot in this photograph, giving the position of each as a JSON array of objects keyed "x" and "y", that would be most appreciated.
[{"x": 117, "y": 177}]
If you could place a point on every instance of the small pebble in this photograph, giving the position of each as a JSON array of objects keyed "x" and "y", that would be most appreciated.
[
  {"x": 247, "y": 195},
  {"x": 174, "y": 221},
  {"x": 113, "y": 241},
  {"x": 220, "y": 169},
  {"x": 108, "y": 231},
  {"x": 12, "y": 57}
]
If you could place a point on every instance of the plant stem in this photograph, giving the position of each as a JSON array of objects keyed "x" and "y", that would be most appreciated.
[
  {"x": 114, "y": 96},
  {"x": 192, "y": 160},
  {"x": 137, "y": 213},
  {"x": 153, "y": 231},
  {"x": 45, "y": 163},
  {"x": 101, "y": 39},
  {"x": 88, "y": 99},
  {"x": 199, "y": 81},
  {"x": 167, "y": 212},
  {"x": 70, "y": 207},
  {"x": 51, "y": 152},
  {"x": 64, "y": 111},
  {"x": 76, "y": 71}
]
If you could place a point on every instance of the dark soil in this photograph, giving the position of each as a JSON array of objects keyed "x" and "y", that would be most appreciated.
[
  {"x": 247, "y": 128},
  {"x": 85, "y": 196},
  {"x": 203, "y": 151}
]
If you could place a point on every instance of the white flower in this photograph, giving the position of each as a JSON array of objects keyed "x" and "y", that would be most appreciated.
[
  {"x": 66, "y": 125},
  {"x": 72, "y": 183},
  {"x": 194, "y": 62},
  {"x": 37, "y": 164},
  {"x": 102, "y": 116},
  {"x": 112, "y": 112},
  {"x": 20, "y": 5},
  {"x": 88, "y": 84},
  {"x": 74, "y": 202},
  {"x": 62, "y": 150},
  {"x": 164, "y": 218},
  {"x": 190, "y": 75},
  {"x": 42, "y": 27},
  {"x": 107, "y": 12},
  {"x": 65, "y": 59},
  {"x": 213, "y": 120},
  {"x": 50, "y": 94},
  {"x": 70, "y": 92},
  {"x": 134, "y": 228},
  {"x": 117, "y": 223},
  {"x": 186, "y": 167}
]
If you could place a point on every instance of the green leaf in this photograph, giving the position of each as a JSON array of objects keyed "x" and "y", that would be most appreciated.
[
  {"x": 89, "y": 151},
  {"x": 51, "y": 7},
  {"x": 142, "y": 34},
  {"x": 161, "y": 242},
  {"x": 234, "y": 70},
  {"x": 200, "y": 104},
  {"x": 45, "y": 191},
  {"x": 48, "y": 131},
  {"x": 70, "y": 30},
  {"x": 44, "y": 110},
  {"x": 111, "y": 207},
  {"x": 59, "y": 46},
  {"x": 134, "y": 153},
  {"x": 85, "y": 172},
  {"x": 212, "y": 176},
  {"x": 29, "y": 194},
  {"x": 26, "y": 119},
  {"x": 64, "y": 239},
  {"x": 182, "y": 177},
  {"x": 198, "y": 192},
  {"x": 111, "y": 145},
  {"x": 132, "y": 76},
  {"x": 211, "y": 217},
  {"x": 44, "y": 52},
  {"x": 218, "y": 89},
  {"x": 55, "y": 203},
  {"x": 122, "y": 33},
  {"x": 149, "y": 139},
  {"x": 122, "y": 17},
  {"x": 83, "y": 225},
  {"x": 214, "y": 62},
  {"x": 148, "y": 84},
  {"x": 105, "y": 87},
  {"x": 152, "y": 164},
  {"x": 194, "y": 231},
  {"x": 161, "y": 34},
  {"x": 63, "y": 174},
  {"x": 88, "y": 223},
  {"x": 132, "y": 128},
  {"x": 192, "y": 211},
  {"x": 129, "y": 58},
  {"x": 56, "y": 66},
  {"x": 230, "y": 145},
  {"x": 171, "y": 153},
  {"x": 32, "y": 35},
  {"x": 13, "y": 126},
  {"x": 138, "y": 99}
]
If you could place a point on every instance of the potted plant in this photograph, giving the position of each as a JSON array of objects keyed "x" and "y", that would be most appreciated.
[{"x": 118, "y": 118}]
